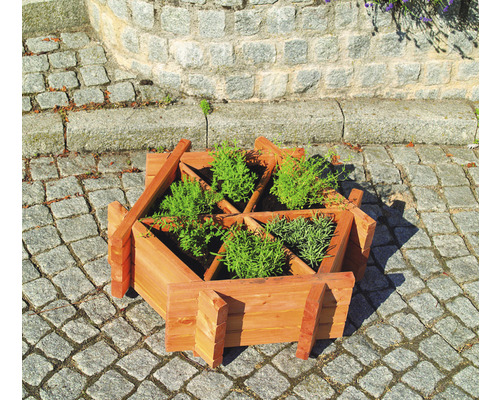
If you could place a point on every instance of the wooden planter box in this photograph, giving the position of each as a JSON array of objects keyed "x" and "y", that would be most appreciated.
[{"x": 206, "y": 315}]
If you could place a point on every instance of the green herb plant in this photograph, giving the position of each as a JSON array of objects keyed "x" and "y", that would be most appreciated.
[
  {"x": 205, "y": 107},
  {"x": 252, "y": 255},
  {"x": 232, "y": 173},
  {"x": 299, "y": 183},
  {"x": 186, "y": 203},
  {"x": 308, "y": 238}
]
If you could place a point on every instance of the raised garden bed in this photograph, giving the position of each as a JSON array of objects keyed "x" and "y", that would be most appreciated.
[{"x": 205, "y": 314}]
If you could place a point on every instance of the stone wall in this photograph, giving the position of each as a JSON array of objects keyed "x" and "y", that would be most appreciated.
[{"x": 256, "y": 50}]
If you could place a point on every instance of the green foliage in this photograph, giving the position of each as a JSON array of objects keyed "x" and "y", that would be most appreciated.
[
  {"x": 308, "y": 238},
  {"x": 187, "y": 201},
  {"x": 299, "y": 182},
  {"x": 250, "y": 255},
  {"x": 232, "y": 173},
  {"x": 205, "y": 107}
]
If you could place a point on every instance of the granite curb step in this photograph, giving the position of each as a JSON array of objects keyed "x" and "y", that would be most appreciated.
[{"x": 362, "y": 121}]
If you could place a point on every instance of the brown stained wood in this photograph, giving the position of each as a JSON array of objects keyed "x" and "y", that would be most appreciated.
[
  {"x": 310, "y": 320},
  {"x": 355, "y": 260},
  {"x": 214, "y": 267},
  {"x": 334, "y": 256},
  {"x": 263, "y": 144},
  {"x": 118, "y": 241},
  {"x": 260, "y": 187},
  {"x": 210, "y": 327},
  {"x": 297, "y": 266}
]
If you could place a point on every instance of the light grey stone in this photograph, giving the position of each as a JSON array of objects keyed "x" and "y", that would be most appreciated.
[
  {"x": 400, "y": 359},
  {"x": 465, "y": 310},
  {"x": 239, "y": 87},
  {"x": 306, "y": 80},
  {"x": 41, "y": 239},
  {"x": 42, "y": 44},
  {"x": 384, "y": 173},
  {"x": 99, "y": 271},
  {"x": 119, "y": 8},
  {"x": 66, "y": 384},
  {"x": 463, "y": 269},
  {"x": 94, "y": 75},
  {"x": 201, "y": 85},
  {"x": 95, "y": 358},
  {"x": 400, "y": 391},
  {"x": 175, "y": 373},
  {"x": 168, "y": 80},
  {"x": 55, "y": 260},
  {"x": 34, "y": 369},
  {"x": 295, "y": 51},
  {"x": 247, "y": 22},
  {"x": 77, "y": 228},
  {"x": 144, "y": 317},
  {"x": 467, "y": 70},
  {"x": 130, "y": 39},
  {"x": 383, "y": 335},
  {"x": 43, "y": 168},
  {"x": 241, "y": 363},
  {"x": 37, "y": 215},
  {"x": 424, "y": 261},
  {"x": 74, "y": 40},
  {"x": 54, "y": 346},
  {"x": 88, "y": 95},
  {"x": 122, "y": 91},
  {"x": 33, "y": 83},
  {"x": 466, "y": 221},
  {"x": 351, "y": 393},
  {"x": 92, "y": 55},
  {"x": 188, "y": 54},
  {"x": 58, "y": 312},
  {"x": 73, "y": 283},
  {"x": 142, "y": 13},
  {"x": 468, "y": 380},
  {"x": 460, "y": 42},
  {"x": 176, "y": 20},
  {"x": 460, "y": 197},
  {"x": 408, "y": 324},
  {"x": 427, "y": 307},
  {"x": 314, "y": 387},
  {"x": 454, "y": 332},
  {"x": 32, "y": 193},
  {"x": 138, "y": 363},
  {"x": 209, "y": 385},
  {"x": 281, "y": 19},
  {"x": 363, "y": 351},
  {"x": 157, "y": 49},
  {"x": 472, "y": 291},
  {"x": 29, "y": 272},
  {"x": 342, "y": 369},
  {"x": 404, "y": 155},
  {"x": 51, "y": 99},
  {"x": 436, "y": 349},
  {"x": 358, "y": 46},
  {"x": 314, "y": 18},
  {"x": 338, "y": 78},
  {"x": 63, "y": 187},
  {"x": 102, "y": 198},
  {"x": 33, "y": 327},
  {"x": 259, "y": 52},
  {"x": 452, "y": 392},
  {"x": 212, "y": 23},
  {"x": 376, "y": 380},
  {"x": 79, "y": 330},
  {"x": 421, "y": 175},
  {"x": 346, "y": 15},
  {"x": 444, "y": 288},
  {"x": 26, "y": 104},
  {"x": 292, "y": 366},
  {"x": 221, "y": 54},
  {"x": 148, "y": 390},
  {"x": 273, "y": 85},
  {"x": 89, "y": 249},
  {"x": 373, "y": 75},
  {"x": 472, "y": 354},
  {"x": 35, "y": 63},
  {"x": 423, "y": 378},
  {"x": 437, "y": 72},
  {"x": 437, "y": 223},
  {"x": 387, "y": 302},
  {"x": 267, "y": 383},
  {"x": 63, "y": 59},
  {"x": 451, "y": 245},
  {"x": 392, "y": 44},
  {"x": 428, "y": 199},
  {"x": 121, "y": 333},
  {"x": 110, "y": 386}
]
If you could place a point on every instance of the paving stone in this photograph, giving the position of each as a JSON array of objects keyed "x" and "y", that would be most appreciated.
[
  {"x": 451, "y": 175},
  {"x": 444, "y": 288},
  {"x": 428, "y": 200},
  {"x": 270, "y": 349},
  {"x": 424, "y": 262},
  {"x": 34, "y": 327},
  {"x": 63, "y": 59},
  {"x": 472, "y": 291},
  {"x": 286, "y": 362},
  {"x": 51, "y": 99},
  {"x": 412, "y": 237},
  {"x": 382, "y": 173},
  {"x": 437, "y": 223},
  {"x": 69, "y": 207},
  {"x": 314, "y": 387},
  {"x": 94, "y": 75},
  {"x": 432, "y": 155},
  {"x": 376, "y": 154},
  {"x": 26, "y": 106},
  {"x": 406, "y": 283},
  {"x": 54, "y": 346},
  {"x": 373, "y": 280},
  {"x": 58, "y": 312},
  {"x": 38, "y": 63},
  {"x": 55, "y": 260},
  {"x": 460, "y": 197},
  {"x": 360, "y": 311},
  {"x": 74, "y": 40},
  {"x": 408, "y": 324},
  {"x": 35, "y": 368},
  {"x": 89, "y": 249},
  {"x": 156, "y": 342},
  {"x": 452, "y": 393},
  {"x": 454, "y": 332},
  {"x": 94, "y": 358},
  {"x": 79, "y": 330},
  {"x": 121, "y": 333},
  {"x": 43, "y": 168},
  {"x": 104, "y": 182},
  {"x": 267, "y": 383},
  {"x": 77, "y": 228},
  {"x": 60, "y": 80},
  {"x": 400, "y": 391},
  {"x": 73, "y": 283},
  {"x": 92, "y": 55},
  {"x": 66, "y": 384},
  {"x": 29, "y": 271},
  {"x": 39, "y": 292},
  {"x": 423, "y": 378},
  {"x": 133, "y": 195},
  {"x": 40, "y": 239},
  {"x": 139, "y": 363},
  {"x": 441, "y": 352},
  {"x": 421, "y": 175},
  {"x": 387, "y": 302},
  {"x": 26, "y": 347},
  {"x": 241, "y": 361},
  {"x": 463, "y": 156},
  {"x": 404, "y": 155},
  {"x": 99, "y": 271},
  {"x": 376, "y": 380},
  {"x": 383, "y": 335},
  {"x": 451, "y": 245},
  {"x": 382, "y": 236},
  {"x": 463, "y": 269},
  {"x": 144, "y": 317},
  {"x": 359, "y": 347},
  {"x": 472, "y": 354},
  {"x": 61, "y": 188},
  {"x": 32, "y": 193},
  {"x": 351, "y": 393},
  {"x": 113, "y": 163},
  {"x": 33, "y": 83},
  {"x": 175, "y": 374},
  {"x": 389, "y": 258},
  {"x": 400, "y": 359},
  {"x": 343, "y": 369},
  {"x": 474, "y": 174},
  {"x": 468, "y": 380},
  {"x": 426, "y": 306},
  {"x": 41, "y": 44},
  {"x": 148, "y": 390},
  {"x": 88, "y": 95},
  {"x": 209, "y": 385},
  {"x": 123, "y": 91},
  {"x": 99, "y": 309},
  {"x": 76, "y": 164},
  {"x": 37, "y": 215},
  {"x": 463, "y": 309},
  {"x": 110, "y": 386},
  {"x": 467, "y": 221}
]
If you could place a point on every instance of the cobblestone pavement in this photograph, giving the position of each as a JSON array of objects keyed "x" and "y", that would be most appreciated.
[{"x": 412, "y": 328}]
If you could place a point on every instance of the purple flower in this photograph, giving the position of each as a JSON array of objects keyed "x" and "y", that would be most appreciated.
[{"x": 445, "y": 9}]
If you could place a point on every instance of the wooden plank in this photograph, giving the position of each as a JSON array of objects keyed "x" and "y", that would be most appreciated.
[
  {"x": 334, "y": 256},
  {"x": 122, "y": 233},
  {"x": 264, "y": 144},
  {"x": 210, "y": 327},
  {"x": 259, "y": 190},
  {"x": 310, "y": 320},
  {"x": 355, "y": 260}
]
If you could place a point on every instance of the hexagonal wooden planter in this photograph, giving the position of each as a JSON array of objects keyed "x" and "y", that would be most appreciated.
[{"x": 206, "y": 315}]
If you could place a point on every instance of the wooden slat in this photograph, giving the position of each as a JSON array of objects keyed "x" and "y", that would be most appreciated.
[
  {"x": 259, "y": 190},
  {"x": 118, "y": 241},
  {"x": 334, "y": 256},
  {"x": 210, "y": 327},
  {"x": 310, "y": 320}
]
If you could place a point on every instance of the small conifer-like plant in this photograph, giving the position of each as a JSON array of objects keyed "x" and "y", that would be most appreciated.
[
  {"x": 185, "y": 204},
  {"x": 300, "y": 183},
  {"x": 308, "y": 238},
  {"x": 252, "y": 255},
  {"x": 231, "y": 172}
]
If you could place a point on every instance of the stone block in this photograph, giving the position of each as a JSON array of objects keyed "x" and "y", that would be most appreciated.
[
  {"x": 295, "y": 51},
  {"x": 221, "y": 54},
  {"x": 287, "y": 123},
  {"x": 346, "y": 14},
  {"x": 88, "y": 95},
  {"x": 188, "y": 54},
  {"x": 121, "y": 129},
  {"x": 63, "y": 59},
  {"x": 314, "y": 18},
  {"x": 420, "y": 121},
  {"x": 247, "y": 22},
  {"x": 201, "y": 85},
  {"x": 358, "y": 46},
  {"x": 240, "y": 87},
  {"x": 94, "y": 75},
  {"x": 176, "y": 20},
  {"x": 306, "y": 80},
  {"x": 142, "y": 13},
  {"x": 74, "y": 40},
  {"x": 92, "y": 55},
  {"x": 51, "y": 99},
  {"x": 273, "y": 85},
  {"x": 340, "y": 77},
  {"x": 119, "y": 8},
  {"x": 167, "y": 79},
  {"x": 33, "y": 83},
  {"x": 229, "y": 3},
  {"x": 157, "y": 49},
  {"x": 467, "y": 70},
  {"x": 26, "y": 104},
  {"x": 392, "y": 45},
  {"x": 281, "y": 19},
  {"x": 407, "y": 73},
  {"x": 53, "y": 15},
  {"x": 259, "y": 52},
  {"x": 37, "y": 63},
  {"x": 67, "y": 79},
  {"x": 212, "y": 23},
  {"x": 327, "y": 49},
  {"x": 373, "y": 75},
  {"x": 123, "y": 91},
  {"x": 437, "y": 72},
  {"x": 130, "y": 39}
]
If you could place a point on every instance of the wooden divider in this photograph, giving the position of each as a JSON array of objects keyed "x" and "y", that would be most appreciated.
[{"x": 119, "y": 242}]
